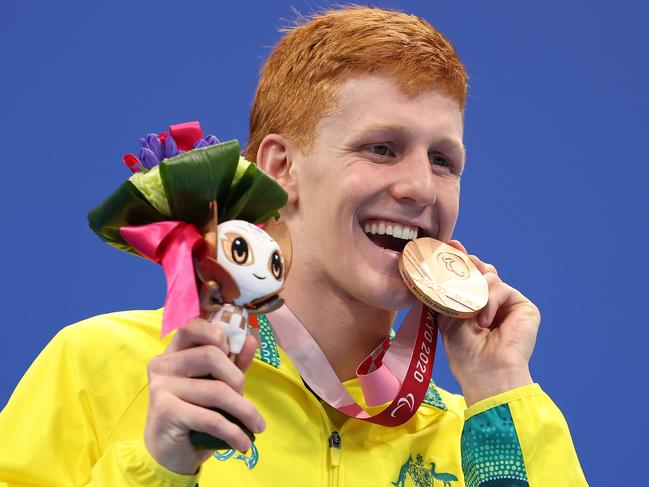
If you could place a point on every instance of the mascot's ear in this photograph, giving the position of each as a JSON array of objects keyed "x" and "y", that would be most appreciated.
[
  {"x": 205, "y": 264},
  {"x": 208, "y": 269},
  {"x": 210, "y": 229},
  {"x": 279, "y": 231}
]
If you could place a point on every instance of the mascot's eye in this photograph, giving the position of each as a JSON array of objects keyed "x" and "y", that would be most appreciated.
[
  {"x": 236, "y": 249},
  {"x": 276, "y": 266},
  {"x": 239, "y": 250}
]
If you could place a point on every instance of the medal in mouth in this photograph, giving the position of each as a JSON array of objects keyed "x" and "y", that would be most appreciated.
[
  {"x": 390, "y": 235},
  {"x": 443, "y": 278}
]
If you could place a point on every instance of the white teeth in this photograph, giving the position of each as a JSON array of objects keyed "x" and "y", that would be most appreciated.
[{"x": 386, "y": 228}]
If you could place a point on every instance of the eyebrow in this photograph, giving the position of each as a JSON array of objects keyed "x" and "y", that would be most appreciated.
[{"x": 454, "y": 143}]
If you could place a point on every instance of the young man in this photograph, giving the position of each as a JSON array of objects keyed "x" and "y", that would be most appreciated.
[{"x": 359, "y": 116}]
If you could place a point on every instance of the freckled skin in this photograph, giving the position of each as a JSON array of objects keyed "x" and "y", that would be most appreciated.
[{"x": 349, "y": 178}]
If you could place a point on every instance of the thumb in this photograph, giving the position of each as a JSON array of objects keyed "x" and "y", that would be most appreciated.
[
  {"x": 244, "y": 359},
  {"x": 457, "y": 245}
]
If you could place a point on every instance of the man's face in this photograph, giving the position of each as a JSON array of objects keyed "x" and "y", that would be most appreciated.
[{"x": 384, "y": 162}]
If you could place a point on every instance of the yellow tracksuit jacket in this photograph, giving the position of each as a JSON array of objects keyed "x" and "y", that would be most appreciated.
[{"x": 77, "y": 419}]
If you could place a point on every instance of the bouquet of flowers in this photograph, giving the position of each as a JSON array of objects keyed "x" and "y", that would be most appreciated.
[
  {"x": 183, "y": 185},
  {"x": 178, "y": 174}
]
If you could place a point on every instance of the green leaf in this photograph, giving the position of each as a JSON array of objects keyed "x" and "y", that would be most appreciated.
[
  {"x": 150, "y": 186},
  {"x": 240, "y": 183},
  {"x": 255, "y": 196},
  {"x": 239, "y": 192},
  {"x": 125, "y": 207},
  {"x": 194, "y": 178}
]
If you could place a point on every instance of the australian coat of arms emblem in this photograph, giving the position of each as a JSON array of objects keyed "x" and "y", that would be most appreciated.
[{"x": 422, "y": 475}]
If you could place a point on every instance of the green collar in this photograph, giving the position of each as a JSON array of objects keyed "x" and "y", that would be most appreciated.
[{"x": 267, "y": 351}]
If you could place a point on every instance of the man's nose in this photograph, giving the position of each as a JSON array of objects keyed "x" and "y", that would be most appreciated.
[{"x": 415, "y": 182}]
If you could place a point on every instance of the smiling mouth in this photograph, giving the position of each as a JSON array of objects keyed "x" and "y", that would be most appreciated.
[
  {"x": 390, "y": 235},
  {"x": 258, "y": 277}
]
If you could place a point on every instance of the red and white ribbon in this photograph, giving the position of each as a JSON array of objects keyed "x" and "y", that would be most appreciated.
[{"x": 398, "y": 373}]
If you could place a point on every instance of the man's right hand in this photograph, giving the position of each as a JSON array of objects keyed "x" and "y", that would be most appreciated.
[{"x": 179, "y": 396}]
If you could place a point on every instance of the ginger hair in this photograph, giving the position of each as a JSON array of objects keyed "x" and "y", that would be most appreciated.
[{"x": 298, "y": 82}]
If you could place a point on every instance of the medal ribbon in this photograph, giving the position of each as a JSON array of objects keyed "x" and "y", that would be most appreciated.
[{"x": 398, "y": 373}]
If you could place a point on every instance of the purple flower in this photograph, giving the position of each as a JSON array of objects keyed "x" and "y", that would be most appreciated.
[
  {"x": 200, "y": 143},
  {"x": 154, "y": 144},
  {"x": 171, "y": 149},
  {"x": 148, "y": 158},
  {"x": 154, "y": 150},
  {"x": 212, "y": 140}
]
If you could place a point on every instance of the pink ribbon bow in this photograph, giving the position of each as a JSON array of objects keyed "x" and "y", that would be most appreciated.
[{"x": 171, "y": 244}]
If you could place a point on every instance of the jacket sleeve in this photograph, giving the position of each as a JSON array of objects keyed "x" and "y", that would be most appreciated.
[
  {"x": 129, "y": 463},
  {"x": 51, "y": 430},
  {"x": 518, "y": 438}
]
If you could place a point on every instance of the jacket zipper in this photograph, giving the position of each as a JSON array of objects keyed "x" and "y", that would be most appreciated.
[
  {"x": 335, "y": 445},
  {"x": 334, "y": 438}
]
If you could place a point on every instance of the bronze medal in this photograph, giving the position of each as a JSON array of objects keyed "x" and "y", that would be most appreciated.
[{"x": 443, "y": 278}]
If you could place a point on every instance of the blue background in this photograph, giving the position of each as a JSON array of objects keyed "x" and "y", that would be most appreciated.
[{"x": 554, "y": 193}]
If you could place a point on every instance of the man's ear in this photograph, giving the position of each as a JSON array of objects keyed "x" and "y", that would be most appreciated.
[{"x": 275, "y": 158}]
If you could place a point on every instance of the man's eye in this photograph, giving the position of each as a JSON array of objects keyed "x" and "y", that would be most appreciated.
[
  {"x": 381, "y": 150},
  {"x": 438, "y": 160}
]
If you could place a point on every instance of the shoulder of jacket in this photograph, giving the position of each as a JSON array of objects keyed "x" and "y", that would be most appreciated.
[
  {"x": 93, "y": 370},
  {"x": 113, "y": 340},
  {"x": 444, "y": 400},
  {"x": 121, "y": 326}
]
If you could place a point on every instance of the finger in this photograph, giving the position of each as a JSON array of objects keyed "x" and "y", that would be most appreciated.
[
  {"x": 458, "y": 245},
  {"x": 483, "y": 266},
  {"x": 198, "y": 362},
  {"x": 446, "y": 323},
  {"x": 499, "y": 295},
  {"x": 191, "y": 417},
  {"x": 198, "y": 332},
  {"x": 458, "y": 330},
  {"x": 215, "y": 394},
  {"x": 244, "y": 359}
]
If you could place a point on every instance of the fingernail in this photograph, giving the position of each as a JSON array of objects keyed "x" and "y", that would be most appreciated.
[
  {"x": 261, "y": 426},
  {"x": 245, "y": 446}
]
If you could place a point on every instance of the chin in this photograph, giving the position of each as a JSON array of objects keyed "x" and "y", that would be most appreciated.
[{"x": 391, "y": 293}]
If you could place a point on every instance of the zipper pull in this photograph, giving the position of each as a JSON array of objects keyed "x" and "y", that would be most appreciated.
[{"x": 335, "y": 443}]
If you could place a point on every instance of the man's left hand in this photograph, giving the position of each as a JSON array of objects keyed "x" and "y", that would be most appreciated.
[{"x": 489, "y": 353}]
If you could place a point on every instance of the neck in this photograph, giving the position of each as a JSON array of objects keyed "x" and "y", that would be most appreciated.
[{"x": 345, "y": 329}]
